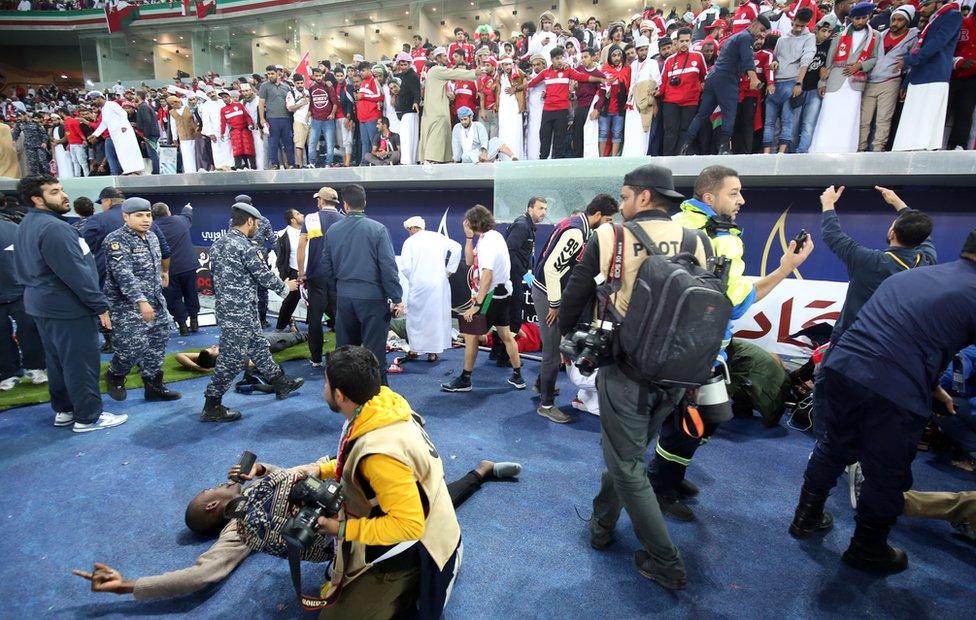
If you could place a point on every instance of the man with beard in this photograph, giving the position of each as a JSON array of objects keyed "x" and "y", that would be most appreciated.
[
  {"x": 275, "y": 118},
  {"x": 408, "y": 108},
  {"x": 185, "y": 127},
  {"x": 435, "y": 125},
  {"x": 323, "y": 112},
  {"x": 880, "y": 96},
  {"x": 645, "y": 76},
  {"x": 851, "y": 58},
  {"x": 62, "y": 294},
  {"x": 681, "y": 86}
]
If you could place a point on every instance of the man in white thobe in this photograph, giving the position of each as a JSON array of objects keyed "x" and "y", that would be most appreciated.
[
  {"x": 120, "y": 132},
  {"x": 427, "y": 260},
  {"x": 645, "y": 77},
  {"x": 250, "y": 101},
  {"x": 223, "y": 156},
  {"x": 545, "y": 40}
]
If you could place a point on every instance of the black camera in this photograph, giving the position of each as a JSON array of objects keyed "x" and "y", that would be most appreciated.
[
  {"x": 675, "y": 80},
  {"x": 317, "y": 498},
  {"x": 588, "y": 349}
]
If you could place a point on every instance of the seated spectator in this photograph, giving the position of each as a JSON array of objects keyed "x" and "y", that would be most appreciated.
[
  {"x": 386, "y": 146},
  {"x": 470, "y": 143}
]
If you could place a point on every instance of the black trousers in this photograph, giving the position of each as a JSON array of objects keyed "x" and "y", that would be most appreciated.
[
  {"x": 30, "y": 352},
  {"x": 552, "y": 133},
  {"x": 745, "y": 131},
  {"x": 676, "y": 119},
  {"x": 863, "y": 426},
  {"x": 579, "y": 119},
  {"x": 463, "y": 488},
  {"x": 288, "y": 304},
  {"x": 962, "y": 101},
  {"x": 71, "y": 354},
  {"x": 181, "y": 295},
  {"x": 364, "y": 322},
  {"x": 673, "y": 454},
  {"x": 320, "y": 301}
]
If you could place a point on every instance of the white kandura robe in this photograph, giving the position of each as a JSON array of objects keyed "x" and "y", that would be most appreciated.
[
  {"x": 260, "y": 152},
  {"x": 510, "y": 127},
  {"x": 534, "y": 102},
  {"x": 635, "y": 138},
  {"x": 591, "y": 134},
  {"x": 839, "y": 124},
  {"x": 223, "y": 155},
  {"x": 409, "y": 138},
  {"x": 923, "y": 118},
  {"x": 426, "y": 260},
  {"x": 390, "y": 112},
  {"x": 123, "y": 137},
  {"x": 65, "y": 169}
]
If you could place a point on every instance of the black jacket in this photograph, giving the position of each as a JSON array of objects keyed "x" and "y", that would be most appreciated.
[
  {"x": 409, "y": 92},
  {"x": 146, "y": 121},
  {"x": 520, "y": 238},
  {"x": 282, "y": 254}
]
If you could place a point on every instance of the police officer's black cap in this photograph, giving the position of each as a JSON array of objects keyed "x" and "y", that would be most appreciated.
[
  {"x": 970, "y": 246},
  {"x": 657, "y": 178},
  {"x": 246, "y": 208},
  {"x": 110, "y": 192},
  {"x": 243, "y": 198}
]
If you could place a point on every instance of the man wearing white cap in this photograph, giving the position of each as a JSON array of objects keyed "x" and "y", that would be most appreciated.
[
  {"x": 408, "y": 108},
  {"x": 884, "y": 83},
  {"x": 422, "y": 262},
  {"x": 223, "y": 157},
  {"x": 645, "y": 77},
  {"x": 121, "y": 139},
  {"x": 435, "y": 125}
]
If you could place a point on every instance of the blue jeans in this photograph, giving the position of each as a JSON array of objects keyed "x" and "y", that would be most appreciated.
[
  {"x": 367, "y": 131},
  {"x": 152, "y": 149},
  {"x": 326, "y": 128},
  {"x": 611, "y": 126},
  {"x": 809, "y": 114},
  {"x": 778, "y": 107},
  {"x": 114, "y": 167},
  {"x": 280, "y": 137}
]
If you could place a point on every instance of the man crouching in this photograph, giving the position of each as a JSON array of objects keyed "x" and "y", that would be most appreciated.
[{"x": 398, "y": 536}]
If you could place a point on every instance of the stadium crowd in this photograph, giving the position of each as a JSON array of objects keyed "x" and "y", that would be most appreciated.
[{"x": 785, "y": 77}]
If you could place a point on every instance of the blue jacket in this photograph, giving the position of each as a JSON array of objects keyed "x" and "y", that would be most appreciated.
[
  {"x": 57, "y": 269},
  {"x": 98, "y": 226},
  {"x": 908, "y": 332},
  {"x": 867, "y": 268},
  {"x": 736, "y": 58},
  {"x": 358, "y": 260},
  {"x": 176, "y": 234},
  {"x": 932, "y": 63},
  {"x": 10, "y": 287},
  {"x": 968, "y": 375}
]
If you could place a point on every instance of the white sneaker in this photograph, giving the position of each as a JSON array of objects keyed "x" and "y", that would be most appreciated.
[
  {"x": 8, "y": 384},
  {"x": 37, "y": 377},
  {"x": 64, "y": 418},
  {"x": 106, "y": 420},
  {"x": 316, "y": 364}
]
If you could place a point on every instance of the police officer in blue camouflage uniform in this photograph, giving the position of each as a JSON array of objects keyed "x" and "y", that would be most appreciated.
[
  {"x": 264, "y": 239},
  {"x": 238, "y": 268},
  {"x": 133, "y": 286}
]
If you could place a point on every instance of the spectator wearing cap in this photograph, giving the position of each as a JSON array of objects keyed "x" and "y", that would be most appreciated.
[
  {"x": 435, "y": 124},
  {"x": 682, "y": 78},
  {"x": 470, "y": 142},
  {"x": 880, "y": 96},
  {"x": 929, "y": 66},
  {"x": 645, "y": 77},
  {"x": 722, "y": 84},
  {"x": 63, "y": 295},
  {"x": 360, "y": 267},
  {"x": 275, "y": 118},
  {"x": 408, "y": 108},
  {"x": 223, "y": 157},
  {"x": 962, "y": 88},
  {"x": 793, "y": 53},
  {"x": 321, "y": 292},
  {"x": 851, "y": 58},
  {"x": 236, "y": 125}
]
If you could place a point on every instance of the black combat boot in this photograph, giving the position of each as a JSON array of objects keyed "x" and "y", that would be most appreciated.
[
  {"x": 194, "y": 326},
  {"x": 155, "y": 389},
  {"x": 810, "y": 515},
  {"x": 184, "y": 330},
  {"x": 283, "y": 385},
  {"x": 115, "y": 384},
  {"x": 215, "y": 411},
  {"x": 869, "y": 551}
]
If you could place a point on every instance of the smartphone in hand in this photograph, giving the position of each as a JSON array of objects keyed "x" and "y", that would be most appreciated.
[{"x": 800, "y": 239}]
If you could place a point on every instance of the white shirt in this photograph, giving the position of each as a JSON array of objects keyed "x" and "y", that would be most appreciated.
[
  {"x": 24, "y": 5},
  {"x": 293, "y": 235},
  {"x": 301, "y": 114},
  {"x": 492, "y": 253}
]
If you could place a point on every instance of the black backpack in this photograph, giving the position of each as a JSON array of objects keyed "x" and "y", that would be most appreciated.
[{"x": 677, "y": 317}]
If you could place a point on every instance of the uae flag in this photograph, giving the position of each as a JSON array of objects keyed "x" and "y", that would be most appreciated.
[
  {"x": 119, "y": 14},
  {"x": 206, "y": 7},
  {"x": 302, "y": 68}
]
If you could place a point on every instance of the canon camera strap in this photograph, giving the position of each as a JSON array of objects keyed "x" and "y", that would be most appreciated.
[{"x": 308, "y": 603}]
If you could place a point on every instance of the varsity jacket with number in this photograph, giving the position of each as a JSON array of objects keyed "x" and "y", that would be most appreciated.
[{"x": 562, "y": 252}]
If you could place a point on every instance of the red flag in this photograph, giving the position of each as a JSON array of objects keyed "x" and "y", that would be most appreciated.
[
  {"x": 302, "y": 68},
  {"x": 120, "y": 14},
  {"x": 206, "y": 7}
]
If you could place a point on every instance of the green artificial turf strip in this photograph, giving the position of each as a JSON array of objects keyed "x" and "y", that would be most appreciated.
[{"x": 29, "y": 394}]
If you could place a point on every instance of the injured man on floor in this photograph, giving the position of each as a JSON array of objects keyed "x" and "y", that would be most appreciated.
[{"x": 247, "y": 521}]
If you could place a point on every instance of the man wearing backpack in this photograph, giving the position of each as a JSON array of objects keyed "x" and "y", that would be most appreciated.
[
  {"x": 631, "y": 412},
  {"x": 718, "y": 198}
]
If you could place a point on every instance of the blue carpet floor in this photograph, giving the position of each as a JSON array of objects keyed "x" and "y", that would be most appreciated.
[{"x": 118, "y": 497}]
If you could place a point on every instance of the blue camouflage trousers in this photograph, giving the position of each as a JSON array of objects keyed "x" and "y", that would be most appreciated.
[
  {"x": 237, "y": 346},
  {"x": 138, "y": 342}
]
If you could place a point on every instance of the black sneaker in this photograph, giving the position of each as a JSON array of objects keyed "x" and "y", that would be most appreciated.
[
  {"x": 672, "y": 507},
  {"x": 672, "y": 580},
  {"x": 517, "y": 380},
  {"x": 686, "y": 489},
  {"x": 459, "y": 384}
]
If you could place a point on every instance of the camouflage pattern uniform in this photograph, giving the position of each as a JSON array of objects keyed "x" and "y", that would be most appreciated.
[
  {"x": 238, "y": 268},
  {"x": 133, "y": 275},
  {"x": 264, "y": 239}
]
